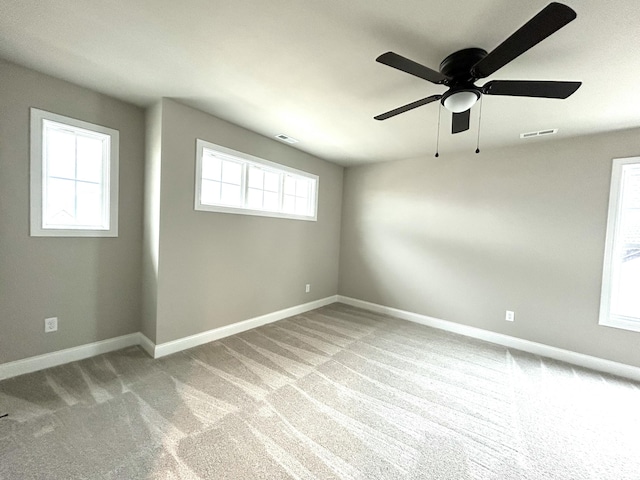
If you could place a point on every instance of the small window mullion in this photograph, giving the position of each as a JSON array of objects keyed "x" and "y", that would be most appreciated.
[
  {"x": 75, "y": 178},
  {"x": 245, "y": 184},
  {"x": 106, "y": 182},
  {"x": 281, "y": 192},
  {"x": 45, "y": 174},
  {"x": 309, "y": 195}
]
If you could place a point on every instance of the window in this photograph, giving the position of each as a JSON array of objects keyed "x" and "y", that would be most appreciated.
[
  {"x": 233, "y": 182},
  {"x": 620, "y": 302},
  {"x": 74, "y": 177}
]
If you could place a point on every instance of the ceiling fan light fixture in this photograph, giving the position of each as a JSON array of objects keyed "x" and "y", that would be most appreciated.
[
  {"x": 460, "y": 70},
  {"x": 460, "y": 101}
]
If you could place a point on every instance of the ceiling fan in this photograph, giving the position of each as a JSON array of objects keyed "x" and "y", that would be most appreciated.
[{"x": 460, "y": 70}]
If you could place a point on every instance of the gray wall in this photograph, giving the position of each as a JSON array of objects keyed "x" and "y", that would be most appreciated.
[
  {"x": 217, "y": 269},
  {"x": 465, "y": 237},
  {"x": 91, "y": 284},
  {"x": 462, "y": 238}
]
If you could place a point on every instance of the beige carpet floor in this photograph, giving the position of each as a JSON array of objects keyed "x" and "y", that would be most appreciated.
[{"x": 335, "y": 393}]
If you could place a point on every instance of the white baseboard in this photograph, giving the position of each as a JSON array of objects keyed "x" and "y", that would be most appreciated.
[
  {"x": 40, "y": 362},
  {"x": 180, "y": 344},
  {"x": 48, "y": 360},
  {"x": 582, "y": 360}
]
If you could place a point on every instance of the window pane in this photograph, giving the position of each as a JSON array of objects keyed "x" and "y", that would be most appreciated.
[
  {"x": 271, "y": 181},
  {"x": 625, "y": 296},
  {"x": 231, "y": 172},
  {"x": 630, "y": 227},
  {"x": 211, "y": 167},
  {"x": 302, "y": 205},
  {"x": 210, "y": 192},
  {"x": 289, "y": 185},
  {"x": 60, "y": 202},
  {"x": 89, "y": 204},
  {"x": 61, "y": 153},
  {"x": 626, "y": 300},
  {"x": 631, "y": 187},
  {"x": 254, "y": 198},
  {"x": 271, "y": 201},
  {"x": 256, "y": 177},
  {"x": 89, "y": 155},
  {"x": 302, "y": 188},
  {"x": 289, "y": 204},
  {"x": 230, "y": 194}
]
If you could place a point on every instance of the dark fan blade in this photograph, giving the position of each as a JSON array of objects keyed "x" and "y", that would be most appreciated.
[
  {"x": 523, "y": 88},
  {"x": 460, "y": 122},
  {"x": 409, "y": 106},
  {"x": 551, "y": 19},
  {"x": 409, "y": 66}
]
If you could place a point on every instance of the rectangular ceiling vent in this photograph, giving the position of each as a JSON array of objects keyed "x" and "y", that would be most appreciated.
[
  {"x": 539, "y": 133},
  {"x": 286, "y": 138}
]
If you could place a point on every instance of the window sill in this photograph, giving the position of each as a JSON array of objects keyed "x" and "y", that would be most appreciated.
[
  {"x": 248, "y": 211},
  {"x": 624, "y": 323}
]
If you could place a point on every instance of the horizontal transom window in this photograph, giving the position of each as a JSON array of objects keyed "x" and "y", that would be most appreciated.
[{"x": 228, "y": 181}]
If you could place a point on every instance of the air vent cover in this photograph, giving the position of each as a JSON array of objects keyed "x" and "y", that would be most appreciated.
[
  {"x": 539, "y": 133},
  {"x": 286, "y": 138}
]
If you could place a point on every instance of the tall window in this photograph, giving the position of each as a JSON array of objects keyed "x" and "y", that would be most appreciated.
[
  {"x": 620, "y": 302},
  {"x": 74, "y": 173},
  {"x": 233, "y": 182}
]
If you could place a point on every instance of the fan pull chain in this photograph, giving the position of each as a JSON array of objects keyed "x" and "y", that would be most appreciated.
[
  {"x": 438, "y": 135},
  {"x": 479, "y": 122}
]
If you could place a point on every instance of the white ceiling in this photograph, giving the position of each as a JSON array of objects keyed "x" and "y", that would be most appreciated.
[{"x": 307, "y": 68}]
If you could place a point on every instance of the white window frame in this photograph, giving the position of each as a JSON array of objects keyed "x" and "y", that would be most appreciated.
[
  {"x": 607, "y": 318},
  {"x": 246, "y": 160},
  {"x": 110, "y": 178}
]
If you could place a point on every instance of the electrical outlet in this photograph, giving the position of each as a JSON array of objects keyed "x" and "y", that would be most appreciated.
[
  {"x": 307, "y": 288},
  {"x": 510, "y": 316},
  {"x": 50, "y": 324}
]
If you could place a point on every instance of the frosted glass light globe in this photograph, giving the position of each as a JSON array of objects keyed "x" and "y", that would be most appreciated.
[{"x": 460, "y": 101}]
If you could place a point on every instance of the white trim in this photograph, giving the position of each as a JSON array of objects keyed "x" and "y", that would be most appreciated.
[
  {"x": 607, "y": 318},
  {"x": 147, "y": 345},
  {"x": 53, "y": 359},
  {"x": 110, "y": 189},
  {"x": 540, "y": 349},
  {"x": 184, "y": 343},
  {"x": 245, "y": 159},
  {"x": 40, "y": 362}
]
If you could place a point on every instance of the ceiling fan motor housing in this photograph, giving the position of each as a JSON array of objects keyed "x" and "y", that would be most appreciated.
[{"x": 458, "y": 66}]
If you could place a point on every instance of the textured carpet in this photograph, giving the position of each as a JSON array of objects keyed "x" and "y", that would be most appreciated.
[{"x": 334, "y": 393}]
